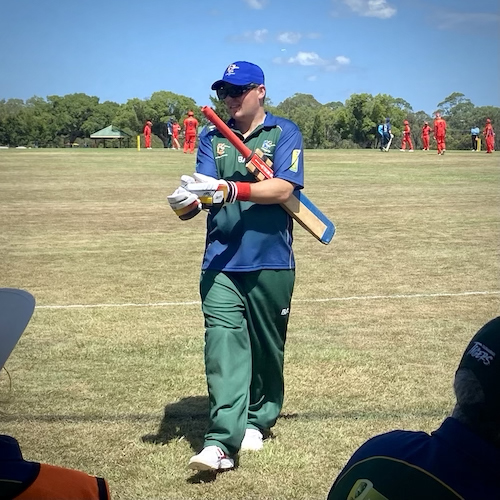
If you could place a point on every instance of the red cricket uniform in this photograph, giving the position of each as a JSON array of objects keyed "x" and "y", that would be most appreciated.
[
  {"x": 440, "y": 134},
  {"x": 406, "y": 138},
  {"x": 426, "y": 130},
  {"x": 489, "y": 136},
  {"x": 147, "y": 134},
  {"x": 190, "y": 128},
  {"x": 175, "y": 130}
]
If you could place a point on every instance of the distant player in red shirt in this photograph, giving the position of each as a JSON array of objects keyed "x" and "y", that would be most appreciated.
[
  {"x": 489, "y": 136},
  {"x": 147, "y": 134},
  {"x": 426, "y": 130},
  {"x": 406, "y": 137},
  {"x": 190, "y": 128},
  {"x": 440, "y": 134},
  {"x": 176, "y": 128}
]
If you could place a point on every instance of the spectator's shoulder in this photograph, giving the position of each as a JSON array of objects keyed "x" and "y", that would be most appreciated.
[{"x": 396, "y": 444}]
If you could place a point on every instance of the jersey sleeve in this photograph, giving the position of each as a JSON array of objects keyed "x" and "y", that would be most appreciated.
[
  {"x": 288, "y": 161},
  {"x": 205, "y": 161}
]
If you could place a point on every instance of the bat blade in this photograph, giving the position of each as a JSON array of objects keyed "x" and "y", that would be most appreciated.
[
  {"x": 310, "y": 217},
  {"x": 298, "y": 206}
]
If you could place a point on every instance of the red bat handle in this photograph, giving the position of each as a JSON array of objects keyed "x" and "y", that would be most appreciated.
[{"x": 227, "y": 132}]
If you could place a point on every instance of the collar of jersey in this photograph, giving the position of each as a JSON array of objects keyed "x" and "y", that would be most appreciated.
[{"x": 269, "y": 122}]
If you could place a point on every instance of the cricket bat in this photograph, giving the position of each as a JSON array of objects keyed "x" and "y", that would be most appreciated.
[
  {"x": 389, "y": 143},
  {"x": 298, "y": 205}
]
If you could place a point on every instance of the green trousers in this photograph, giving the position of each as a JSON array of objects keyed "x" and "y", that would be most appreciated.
[{"x": 246, "y": 318}]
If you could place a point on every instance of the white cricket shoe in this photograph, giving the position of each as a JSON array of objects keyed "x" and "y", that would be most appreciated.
[
  {"x": 211, "y": 458},
  {"x": 402, "y": 149},
  {"x": 253, "y": 440},
  {"x": 410, "y": 151}
]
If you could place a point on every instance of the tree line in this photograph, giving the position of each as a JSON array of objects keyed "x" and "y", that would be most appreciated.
[{"x": 65, "y": 120}]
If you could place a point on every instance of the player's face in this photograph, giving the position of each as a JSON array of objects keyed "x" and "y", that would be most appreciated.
[{"x": 246, "y": 105}]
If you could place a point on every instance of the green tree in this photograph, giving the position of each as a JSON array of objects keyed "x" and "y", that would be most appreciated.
[
  {"x": 71, "y": 113},
  {"x": 11, "y": 121},
  {"x": 450, "y": 102},
  {"x": 103, "y": 116},
  {"x": 163, "y": 105},
  {"x": 132, "y": 116}
]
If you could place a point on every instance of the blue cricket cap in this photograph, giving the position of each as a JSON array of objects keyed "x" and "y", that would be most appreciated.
[{"x": 241, "y": 73}]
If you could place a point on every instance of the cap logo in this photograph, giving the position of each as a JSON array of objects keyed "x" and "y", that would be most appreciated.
[
  {"x": 482, "y": 353},
  {"x": 230, "y": 69}
]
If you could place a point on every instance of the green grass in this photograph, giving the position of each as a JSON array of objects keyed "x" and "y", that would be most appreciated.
[{"x": 378, "y": 324}]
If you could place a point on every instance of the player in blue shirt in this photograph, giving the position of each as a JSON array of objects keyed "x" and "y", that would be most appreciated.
[
  {"x": 248, "y": 269},
  {"x": 385, "y": 130},
  {"x": 380, "y": 130},
  {"x": 474, "y": 134},
  {"x": 460, "y": 460}
]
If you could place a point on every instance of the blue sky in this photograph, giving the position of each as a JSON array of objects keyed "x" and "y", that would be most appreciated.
[{"x": 418, "y": 50}]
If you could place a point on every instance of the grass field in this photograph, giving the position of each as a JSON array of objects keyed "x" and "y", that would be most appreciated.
[{"x": 109, "y": 375}]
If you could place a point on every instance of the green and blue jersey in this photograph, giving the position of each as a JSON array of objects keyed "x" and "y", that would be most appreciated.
[{"x": 245, "y": 236}]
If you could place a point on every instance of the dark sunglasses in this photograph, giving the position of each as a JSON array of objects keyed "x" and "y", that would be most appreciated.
[{"x": 234, "y": 90}]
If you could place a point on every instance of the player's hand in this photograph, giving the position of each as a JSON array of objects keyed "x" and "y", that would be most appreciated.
[
  {"x": 185, "y": 204},
  {"x": 211, "y": 192}
]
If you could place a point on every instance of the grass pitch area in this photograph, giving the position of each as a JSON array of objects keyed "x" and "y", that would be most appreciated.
[{"x": 109, "y": 375}]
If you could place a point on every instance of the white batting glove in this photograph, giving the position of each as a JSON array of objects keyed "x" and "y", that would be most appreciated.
[
  {"x": 211, "y": 192},
  {"x": 186, "y": 205}
]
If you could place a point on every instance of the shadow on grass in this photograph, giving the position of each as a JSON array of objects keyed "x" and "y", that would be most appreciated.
[{"x": 185, "y": 419}]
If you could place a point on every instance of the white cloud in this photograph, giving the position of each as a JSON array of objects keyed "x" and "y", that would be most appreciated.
[
  {"x": 307, "y": 59},
  {"x": 371, "y": 8},
  {"x": 289, "y": 37},
  {"x": 295, "y": 37},
  {"x": 257, "y": 36},
  {"x": 256, "y": 4},
  {"x": 313, "y": 59},
  {"x": 312, "y": 78},
  {"x": 260, "y": 35},
  {"x": 342, "y": 60},
  {"x": 468, "y": 21}
]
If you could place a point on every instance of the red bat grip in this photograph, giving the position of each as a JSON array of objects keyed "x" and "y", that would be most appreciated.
[{"x": 227, "y": 132}]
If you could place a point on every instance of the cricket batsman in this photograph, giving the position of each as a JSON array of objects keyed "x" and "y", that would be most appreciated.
[{"x": 248, "y": 269}]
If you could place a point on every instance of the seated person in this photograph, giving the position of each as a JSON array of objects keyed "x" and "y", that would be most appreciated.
[
  {"x": 461, "y": 459},
  {"x": 19, "y": 478}
]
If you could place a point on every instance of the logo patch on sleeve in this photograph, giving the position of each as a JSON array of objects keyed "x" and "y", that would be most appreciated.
[{"x": 294, "y": 167}]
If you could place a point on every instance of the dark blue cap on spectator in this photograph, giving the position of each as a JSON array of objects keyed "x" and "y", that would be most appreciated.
[{"x": 482, "y": 357}]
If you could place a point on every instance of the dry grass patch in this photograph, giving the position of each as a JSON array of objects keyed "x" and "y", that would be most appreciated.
[{"x": 120, "y": 391}]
